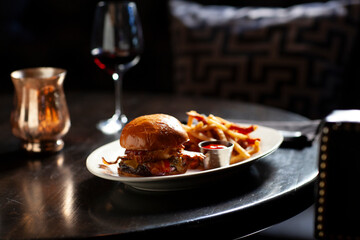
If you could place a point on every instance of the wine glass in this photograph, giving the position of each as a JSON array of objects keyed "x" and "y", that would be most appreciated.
[{"x": 117, "y": 42}]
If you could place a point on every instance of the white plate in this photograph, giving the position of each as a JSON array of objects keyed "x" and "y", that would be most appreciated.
[{"x": 270, "y": 141}]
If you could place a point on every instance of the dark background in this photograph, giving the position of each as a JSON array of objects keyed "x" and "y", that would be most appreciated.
[{"x": 57, "y": 33}]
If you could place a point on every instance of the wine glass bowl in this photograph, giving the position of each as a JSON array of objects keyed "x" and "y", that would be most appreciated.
[{"x": 117, "y": 42}]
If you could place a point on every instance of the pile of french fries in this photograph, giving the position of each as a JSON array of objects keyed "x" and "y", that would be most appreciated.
[{"x": 206, "y": 128}]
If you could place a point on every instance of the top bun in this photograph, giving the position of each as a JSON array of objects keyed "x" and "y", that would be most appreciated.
[{"x": 153, "y": 132}]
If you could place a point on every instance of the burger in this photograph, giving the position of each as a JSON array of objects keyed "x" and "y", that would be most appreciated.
[{"x": 154, "y": 146}]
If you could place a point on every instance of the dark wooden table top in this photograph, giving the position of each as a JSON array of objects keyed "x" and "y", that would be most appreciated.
[{"x": 55, "y": 196}]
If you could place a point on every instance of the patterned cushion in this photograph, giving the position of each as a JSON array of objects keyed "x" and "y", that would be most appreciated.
[{"x": 292, "y": 58}]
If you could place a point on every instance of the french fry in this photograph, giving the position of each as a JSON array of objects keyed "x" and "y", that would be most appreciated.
[
  {"x": 223, "y": 121},
  {"x": 240, "y": 149},
  {"x": 236, "y": 135},
  {"x": 236, "y": 158},
  {"x": 221, "y": 134},
  {"x": 217, "y": 124},
  {"x": 205, "y": 128},
  {"x": 201, "y": 136},
  {"x": 199, "y": 126},
  {"x": 255, "y": 148},
  {"x": 190, "y": 120}
]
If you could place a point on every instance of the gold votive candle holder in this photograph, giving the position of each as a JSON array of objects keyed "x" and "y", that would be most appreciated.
[{"x": 40, "y": 117}]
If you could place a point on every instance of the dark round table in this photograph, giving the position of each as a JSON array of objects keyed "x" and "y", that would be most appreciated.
[{"x": 55, "y": 196}]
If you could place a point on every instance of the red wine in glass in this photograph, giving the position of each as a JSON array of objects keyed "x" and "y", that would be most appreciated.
[{"x": 110, "y": 61}]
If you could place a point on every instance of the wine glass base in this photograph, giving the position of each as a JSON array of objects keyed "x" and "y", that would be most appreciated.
[{"x": 112, "y": 125}]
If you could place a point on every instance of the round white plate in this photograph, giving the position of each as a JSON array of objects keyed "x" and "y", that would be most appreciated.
[{"x": 270, "y": 141}]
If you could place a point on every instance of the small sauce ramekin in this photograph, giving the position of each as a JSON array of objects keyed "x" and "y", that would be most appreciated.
[{"x": 216, "y": 156}]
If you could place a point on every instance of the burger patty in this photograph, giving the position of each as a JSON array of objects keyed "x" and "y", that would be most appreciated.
[{"x": 170, "y": 166}]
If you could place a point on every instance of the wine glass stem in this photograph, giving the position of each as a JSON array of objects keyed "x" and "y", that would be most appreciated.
[{"x": 118, "y": 77}]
